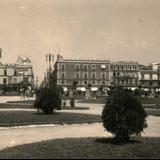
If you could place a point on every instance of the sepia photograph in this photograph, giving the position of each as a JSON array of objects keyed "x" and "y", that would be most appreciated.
[{"x": 79, "y": 79}]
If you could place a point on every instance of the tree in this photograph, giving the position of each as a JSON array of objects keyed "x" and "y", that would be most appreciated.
[
  {"x": 123, "y": 114},
  {"x": 48, "y": 98}
]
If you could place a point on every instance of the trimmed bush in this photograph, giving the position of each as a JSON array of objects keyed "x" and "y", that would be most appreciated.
[
  {"x": 123, "y": 114},
  {"x": 47, "y": 100}
]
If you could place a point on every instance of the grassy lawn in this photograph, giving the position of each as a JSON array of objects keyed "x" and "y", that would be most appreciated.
[
  {"x": 30, "y": 106},
  {"x": 149, "y": 106},
  {"x": 6, "y": 105},
  {"x": 155, "y": 112},
  {"x": 95, "y": 101},
  {"x": 95, "y": 148},
  {"x": 102, "y": 100},
  {"x": 16, "y": 118},
  {"x": 150, "y": 100},
  {"x": 22, "y": 102}
]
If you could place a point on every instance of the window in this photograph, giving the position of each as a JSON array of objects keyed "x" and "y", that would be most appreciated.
[
  {"x": 130, "y": 67},
  {"x": 103, "y": 76},
  {"x": 5, "y": 72},
  {"x": 85, "y": 76},
  {"x": 15, "y": 80},
  {"x": 154, "y": 77},
  {"x": 15, "y": 73},
  {"x": 93, "y": 67},
  {"x": 62, "y": 82},
  {"x": 63, "y": 67},
  {"x": 62, "y": 76},
  {"x": 4, "y": 80},
  {"x": 146, "y": 76},
  {"x": 77, "y": 66},
  {"x": 77, "y": 75},
  {"x": 93, "y": 82},
  {"x": 93, "y": 76},
  {"x": 85, "y": 67},
  {"x": 85, "y": 82}
]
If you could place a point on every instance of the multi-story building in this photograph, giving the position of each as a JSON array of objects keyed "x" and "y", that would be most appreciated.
[
  {"x": 13, "y": 74},
  {"x": 124, "y": 74},
  {"x": 150, "y": 76},
  {"x": 84, "y": 72},
  {"x": 105, "y": 73}
]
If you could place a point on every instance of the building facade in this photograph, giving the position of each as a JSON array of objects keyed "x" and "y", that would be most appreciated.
[
  {"x": 150, "y": 77},
  {"x": 124, "y": 74},
  {"x": 83, "y": 72},
  {"x": 99, "y": 73},
  {"x": 11, "y": 75}
]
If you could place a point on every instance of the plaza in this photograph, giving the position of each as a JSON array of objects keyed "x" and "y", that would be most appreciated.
[{"x": 13, "y": 136}]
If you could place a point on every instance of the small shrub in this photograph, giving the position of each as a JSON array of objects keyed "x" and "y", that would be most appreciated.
[
  {"x": 123, "y": 114},
  {"x": 47, "y": 100}
]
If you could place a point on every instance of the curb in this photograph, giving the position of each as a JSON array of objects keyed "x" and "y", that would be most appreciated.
[
  {"x": 44, "y": 125},
  {"x": 28, "y": 126}
]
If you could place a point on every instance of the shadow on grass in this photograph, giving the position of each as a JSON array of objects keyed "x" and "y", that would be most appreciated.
[
  {"x": 115, "y": 142},
  {"x": 88, "y": 148}
]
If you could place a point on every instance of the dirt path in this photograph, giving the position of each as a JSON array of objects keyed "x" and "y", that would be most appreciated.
[{"x": 19, "y": 136}]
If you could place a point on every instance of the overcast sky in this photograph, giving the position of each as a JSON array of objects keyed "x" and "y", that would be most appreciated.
[{"x": 103, "y": 29}]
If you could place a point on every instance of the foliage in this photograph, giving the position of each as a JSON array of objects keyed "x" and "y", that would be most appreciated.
[
  {"x": 123, "y": 114},
  {"x": 47, "y": 100}
]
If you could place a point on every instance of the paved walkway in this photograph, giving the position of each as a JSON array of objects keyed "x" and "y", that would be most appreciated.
[
  {"x": 14, "y": 137},
  {"x": 5, "y": 99}
]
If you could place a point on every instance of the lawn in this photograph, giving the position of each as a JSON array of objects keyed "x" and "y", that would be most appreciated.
[
  {"x": 102, "y": 100},
  {"x": 150, "y": 100},
  {"x": 30, "y": 106},
  {"x": 16, "y": 118},
  {"x": 95, "y": 148},
  {"x": 22, "y": 102},
  {"x": 8, "y": 105},
  {"x": 153, "y": 112},
  {"x": 151, "y": 106}
]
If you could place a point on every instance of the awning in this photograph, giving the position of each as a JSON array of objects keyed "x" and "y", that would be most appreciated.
[
  {"x": 65, "y": 89},
  {"x": 83, "y": 89},
  {"x": 132, "y": 88},
  {"x": 94, "y": 89}
]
